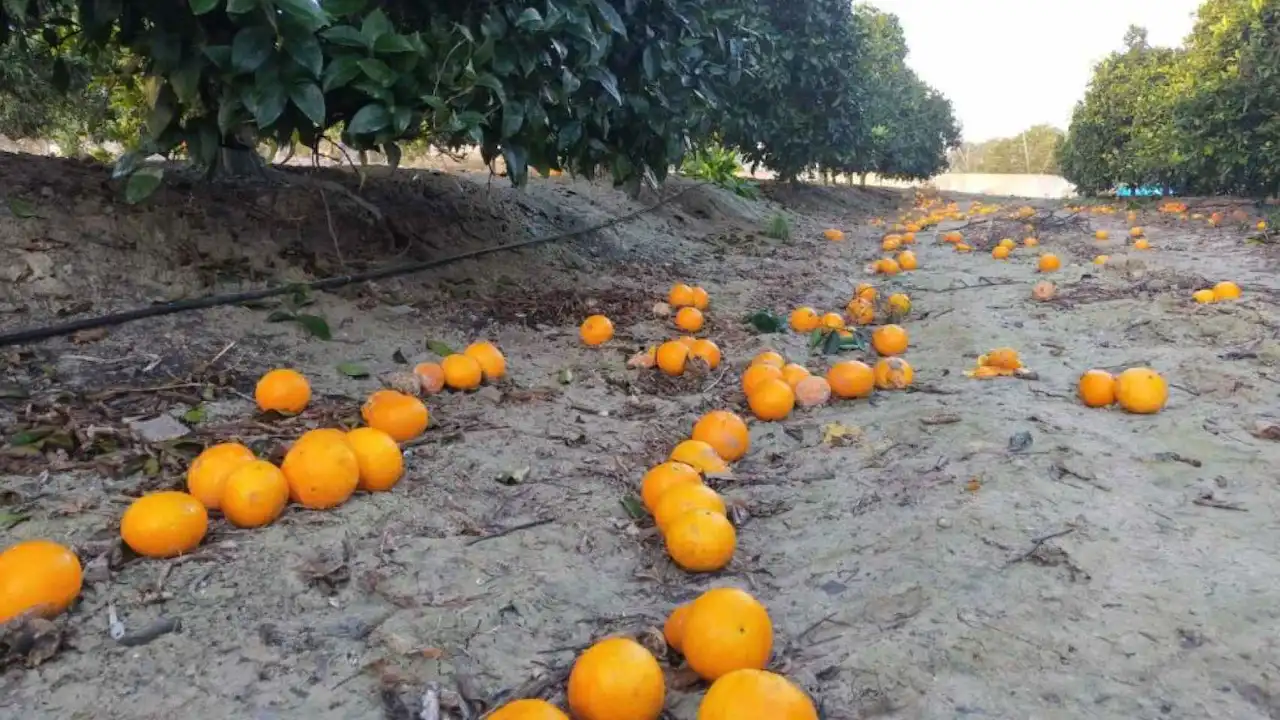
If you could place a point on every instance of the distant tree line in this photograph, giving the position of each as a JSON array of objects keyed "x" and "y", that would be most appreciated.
[{"x": 1032, "y": 151}]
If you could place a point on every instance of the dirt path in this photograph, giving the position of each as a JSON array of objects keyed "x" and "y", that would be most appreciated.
[{"x": 1117, "y": 567}]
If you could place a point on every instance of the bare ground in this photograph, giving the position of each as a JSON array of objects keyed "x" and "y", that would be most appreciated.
[{"x": 930, "y": 564}]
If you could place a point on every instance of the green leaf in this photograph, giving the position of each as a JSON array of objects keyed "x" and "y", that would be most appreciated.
[
  {"x": 10, "y": 519},
  {"x": 517, "y": 158},
  {"x": 305, "y": 11},
  {"x": 269, "y": 103},
  {"x": 512, "y": 119},
  {"x": 345, "y": 35},
  {"x": 370, "y": 119},
  {"x": 815, "y": 338},
  {"x": 612, "y": 19},
  {"x": 315, "y": 325},
  {"x": 195, "y": 415},
  {"x": 766, "y": 321},
  {"x": 376, "y": 24},
  {"x": 219, "y": 55},
  {"x": 633, "y": 506},
  {"x": 439, "y": 348},
  {"x": 340, "y": 71},
  {"x": 310, "y": 100},
  {"x": 529, "y": 19},
  {"x": 339, "y": 8},
  {"x": 392, "y": 44},
  {"x": 240, "y": 7},
  {"x": 607, "y": 80},
  {"x": 142, "y": 183},
  {"x": 306, "y": 50},
  {"x": 251, "y": 48},
  {"x": 30, "y": 437},
  {"x": 22, "y": 208},
  {"x": 353, "y": 370},
  {"x": 200, "y": 7},
  {"x": 378, "y": 71}
]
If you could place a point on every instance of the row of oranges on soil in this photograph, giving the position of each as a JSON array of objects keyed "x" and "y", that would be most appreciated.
[{"x": 322, "y": 469}]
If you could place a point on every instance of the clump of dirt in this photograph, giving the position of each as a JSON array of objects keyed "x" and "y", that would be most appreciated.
[{"x": 973, "y": 547}]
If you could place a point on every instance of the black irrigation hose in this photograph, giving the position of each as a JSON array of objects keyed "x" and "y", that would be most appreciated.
[{"x": 44, "y": 332}]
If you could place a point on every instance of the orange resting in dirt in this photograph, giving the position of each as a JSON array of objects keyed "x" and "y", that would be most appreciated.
[
  {"x": 1097, "y": 388},
  {"x": 616, "y": 679},
  {"x": 461, "y": 372},
  {"x": 164, "y": 524},
  {"x": 38, "y": 576},
  {"x": 772, "y": 400},
  {"x": 689, "y": 319},
  {"x": 700, "y": 540},
  {"x": 491, "y": 360},
  {"x": 1141, "y": 390},
  {"x": 805, "y": 319},
  {"x": 664, "y": 477},
  {"x": 751, "y": 694},
  {"x": 706, "y": 351},
  {"x": 322, "y": 469},
  {"x": 671, "y": 357},
  {"x": 812, "y": 391},
  {"x": 725, "y": 432},
  {"x": 596, "y": 330},
  {"x": 757, "y": 374},
  {"x": 283, "y": 391},
  {"x": 673, "y": 628},
  {"x": 379, "y": 458},
  {"x": 726, "y": 629},
  {"x": 681, "y": 295},
  {"x": 893, "y": 374},
  {"x": 769, "y": 357},
  {"x": 528, "y": 710},
  {"x": 851, "y": 379},
  {"x": 889, "y": 340},
  {"x": 684, "y": 498},
  {"x": 256, "y": 494},
  {"x": 401, "y": 416},
  {"x": 207, "y": 476},
  {"x": 700, "y": 455}
]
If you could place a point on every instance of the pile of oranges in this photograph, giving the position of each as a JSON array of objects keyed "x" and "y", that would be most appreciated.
[
  {"x": 1224, "y": 291},
  {"x": 1138, "y": 390}
]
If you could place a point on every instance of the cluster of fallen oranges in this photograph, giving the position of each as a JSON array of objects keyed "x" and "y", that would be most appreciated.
[
  {"x": 1222, "y": 292},
  {"x": 322, "y": 469},
  {"x": 1139, "y": 390}
]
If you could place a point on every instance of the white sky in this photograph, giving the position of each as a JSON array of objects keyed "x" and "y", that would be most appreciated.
[{"x": 1009, "y": 64}]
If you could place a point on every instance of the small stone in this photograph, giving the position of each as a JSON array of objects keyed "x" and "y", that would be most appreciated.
[
  {"x": 160, "y": 429},
  {"x": 944, "y": 523}
]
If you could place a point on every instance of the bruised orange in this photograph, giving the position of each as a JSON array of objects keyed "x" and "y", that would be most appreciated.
[
  {"x": 812, "y": 391},
  {"x": 208, "y": 473},
  {"x": 793, "y": 373},
  {"x": 430, "y": 377},
  {"x": 164, "y": 524},
  {"x": 700, "y": 540},
  {"x": 283, "y": 391},
  {"x": 752, "y": 694},
  {"x": 893, "y": 373},
  {"x": 907, "y": 260},
  {"x": 861, "y": 312},
  {"x": 805, "y": 319},
  {"x": 596, "y": 330},
  {"x": 38, "y": 576},
  {"x": 379, "y": 458},
  {"x": 725, "y": 432},
  {"x": 616, "y": 679},
  {"x": 255, "y": 495},
  {"x": 663, "y": 477},
  {"x": 726, "y": 629},
  {"x": 706, "y": 351},
  {"x": 700, "y": 455},
  {"x": 832, "y": 321},
  {"x": 403, "y": 417}
]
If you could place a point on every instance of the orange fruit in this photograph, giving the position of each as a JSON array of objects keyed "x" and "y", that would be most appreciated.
[
  {"x": 688, "y": 341},
  {"x": 673, "y": 628},
  {"x": 1044, "y": 291},
  {"x": 208, "y": 473},
  {"x": 322, "y": 469},
  {"x": 596, "y": 330},
  {"x": 1097, "y": 388},
  {"x": 1003, "y": 358},
  {"x": 888, "y": 266},
  {"x": 462, "y": 372},
  {"x": 701, "y": 299},
  {"x": 680, "y": 296},
  {"x": 772, "y": 400},
  {"x": 1030, "y": 242},
  {"x": 861, "y": 312},
  {"x": 726, "y": 630},
  {"x": 851, "y": 379},
  {"x": 616, "y": 679},
  {"x": 1007, "y": 243},
  {"x": 430, "y": 376},
  {"x": 725, "y": 432},
  {"x": 793, "y": 373},
  {"x": 1204, "y": 297},
  {"x": 1000, "y": 252},
  {"x": 700, "y": 540},
  {"x": 491, "y": 360},
  {"x": 812, "y": 391},
  {"x": 865, "y": 291},
  {"x": 255, "y": 495},
  {"x": 907, "y": 260},
  {"x": 833, "y": 234},
  {"x": 689, "y": 319},
  {"x": 962, "y": 248},
  {"x": 1141, "y": 244},
  {"x": 378, "y": 457},
  {"x": 663, "y": 477},
  {"x": 832, "y": 321},
  {"x": 672, "y": 356},
  {"x": 891, "y": 243},
  {"x": 889, "y": 340},
  {"x": 401, "y": 416},
  {"x": 1141, "y": 390},
  {"x": 283, "y": 391},
  {"x": 1102, "y": 234},
  {"x": 909, "y": 238},
  {"x": 893, "y": 373},
  {"x": 769, "y": 357},
  {"x": 1049, "y": 263},
  {"x": 164, "y": 524},
  {"x": 751, "y": 694},
  {"x": 757, "y": 374},
  {"x": 528, "y": 709},
  {"x": 1101, "y": 259},
  {"x": 706, "y": 351},
  {"x": 1226, "y": 290},
  {"x": 805, "y": 319},
  {"x": 685, "y": 498},
  {"x": 900, "y": 304},
  {"x": 39, "y": 576},
  {"x": 1136, "y": 232},
  {"x": 700, "y": 455}
]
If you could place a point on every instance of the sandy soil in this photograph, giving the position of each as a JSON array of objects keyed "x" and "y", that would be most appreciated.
[{"x": 929, "y": 564}]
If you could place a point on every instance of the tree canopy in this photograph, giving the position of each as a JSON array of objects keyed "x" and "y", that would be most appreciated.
[
  {"x": 619, "y": 87},
  {"x": 1203, "y": 118}
]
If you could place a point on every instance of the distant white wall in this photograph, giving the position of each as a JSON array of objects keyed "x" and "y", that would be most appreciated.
[{"x": 1035, "y": 186}]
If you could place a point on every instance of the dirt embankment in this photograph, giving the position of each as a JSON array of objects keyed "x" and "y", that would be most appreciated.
[{"x": 971, "y": 549}]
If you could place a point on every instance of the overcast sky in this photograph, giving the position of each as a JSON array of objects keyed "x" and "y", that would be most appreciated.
[{"x": 1011, "y": 64}]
